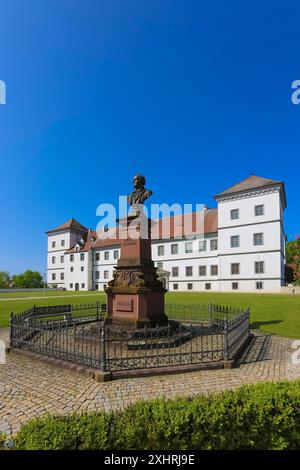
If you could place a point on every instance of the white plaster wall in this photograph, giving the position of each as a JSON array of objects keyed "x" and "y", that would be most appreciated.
[
  {"x": 104, "y": 265},
  {"x": 246, "y": 207},
  {"x": 70, "y": 238},
  {"x": 78, "y": 276}
]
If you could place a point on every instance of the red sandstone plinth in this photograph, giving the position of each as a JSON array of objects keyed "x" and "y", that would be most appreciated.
[{"x": 135, "y": 295}]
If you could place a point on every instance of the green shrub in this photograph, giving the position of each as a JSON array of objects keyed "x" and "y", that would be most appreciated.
[
  {"x": 263, "y": 416},
  {"x": 2, "y": 441}
]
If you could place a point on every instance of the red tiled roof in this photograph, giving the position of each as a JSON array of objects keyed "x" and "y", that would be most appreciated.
[
  {"x": 70, "y": 224},
  {"x": 178, "y": 226}
]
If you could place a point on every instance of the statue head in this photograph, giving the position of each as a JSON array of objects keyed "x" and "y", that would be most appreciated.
[{"x": 139, "y": 181}]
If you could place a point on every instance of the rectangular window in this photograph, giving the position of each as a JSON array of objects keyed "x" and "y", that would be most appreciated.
[
  {"x": 104, "y": 286},
  {"x": 175, "y": 272},
  {"x": 116, "y": 254},
  {"x": 160, "y": 264},
  {"x": 202, "y": 270},
  {"x": 175, "y": 286},
  {"x": 82, "y": 286},
  {"x": 160, "y": 250},
  {"x": 235, "y": 268},
  {"x": 62, "y": 243},
  {"x": 189, "y": 247},
  {"x": 71, "y": 286},
  {"x": 259, "y": 285},
  {"x": 189, "y": 270},
  {"x": 53, "y": 260},
  {"x": 82, "y": 268},
  {"x": 203, "y": 245},
  {"x": 207, "y": 286},
  {"x": 62, "y": 276},
  {"x": 71, "y": 258},
  {"x": 258, "y": 239},
  {"x": 213, "y": 245},
  {"x": 234, "y": 214},
  {"x": 53, "y": 244},
  {"x": 62, "y": 258},
  {"x": 235, "y": 241},
  {"x": 190, "y": 286},
  {"x": 53, "y": 276},
  {"x": 96, "y": 287},
  {"x": 97, "y": 274},
  {"x": 259, "y": 267},
  {"x": 214, "y": 270},
  {"x": 81, "y": 256},
  {"x": 106, "y": 274},
  {"x": 71, "y": 269},
  {"x": 174, "y": 249},
  {"x": 106, "y": 255},
  {"x": 259, "y": 210},
  {"x": 235, "y": 286},
  {"x": 97, "y": 256}
]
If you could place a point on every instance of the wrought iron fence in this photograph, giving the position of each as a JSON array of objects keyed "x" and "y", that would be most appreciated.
[{"x": 194, "y": 334}]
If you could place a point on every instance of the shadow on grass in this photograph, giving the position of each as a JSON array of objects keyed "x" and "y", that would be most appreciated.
[{"x": 257, "y": 324}]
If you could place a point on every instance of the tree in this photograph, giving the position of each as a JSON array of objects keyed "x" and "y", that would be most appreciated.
[
  {"x": 29, "y": 279},
  {"x": 293, "y": 258},
  {"x": 4, "y": 280}
]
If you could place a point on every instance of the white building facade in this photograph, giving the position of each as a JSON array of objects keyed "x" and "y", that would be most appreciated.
[{"x": 242, "y": 248}]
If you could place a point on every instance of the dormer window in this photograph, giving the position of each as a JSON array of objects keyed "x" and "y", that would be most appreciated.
[{"x": 77, "y": 247}]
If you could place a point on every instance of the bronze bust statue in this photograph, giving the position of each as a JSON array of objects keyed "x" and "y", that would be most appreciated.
[{"x": 140, "y": 193}]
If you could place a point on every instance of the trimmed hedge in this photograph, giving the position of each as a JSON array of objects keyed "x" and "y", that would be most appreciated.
[
  {"x": 2, "y": 441},
  {"x": 263, "y": 416}
]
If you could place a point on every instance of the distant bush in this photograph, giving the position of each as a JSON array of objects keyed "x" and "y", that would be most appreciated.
[{"x": 263, "y": 416}]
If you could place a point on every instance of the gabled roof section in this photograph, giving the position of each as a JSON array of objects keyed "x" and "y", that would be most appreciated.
[
  {"x": 71, "y": 224},
  {"x": 88, "y": 239},
  {"x": 253, "y": 182}
]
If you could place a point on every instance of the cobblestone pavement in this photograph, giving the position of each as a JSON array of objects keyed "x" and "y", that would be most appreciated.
[{"x": 32, "y": 388}]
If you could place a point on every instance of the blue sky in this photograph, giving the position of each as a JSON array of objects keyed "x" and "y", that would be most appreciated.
[{"x": 195, "y": 95}]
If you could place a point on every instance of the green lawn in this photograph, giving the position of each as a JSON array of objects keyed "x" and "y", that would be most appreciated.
[
  {"x": 49, "y": 293},
  {"x": 279, "y": 314},
  {"x": 9, "y": 305}
]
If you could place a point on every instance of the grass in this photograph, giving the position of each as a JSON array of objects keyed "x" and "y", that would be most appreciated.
[
  {"x": 8, "y": 305},
  {"x": 49, "y": 293},
  {"x": 272, "y": 313}
]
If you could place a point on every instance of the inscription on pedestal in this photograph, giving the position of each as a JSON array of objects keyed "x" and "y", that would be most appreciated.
[{"x": 125, "y": 305}]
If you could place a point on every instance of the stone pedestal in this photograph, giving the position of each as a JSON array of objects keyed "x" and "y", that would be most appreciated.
[{"x": 135, "y": 295}]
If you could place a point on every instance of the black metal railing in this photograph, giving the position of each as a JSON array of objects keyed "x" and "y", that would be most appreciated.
[{"x": 80, "y": 334}]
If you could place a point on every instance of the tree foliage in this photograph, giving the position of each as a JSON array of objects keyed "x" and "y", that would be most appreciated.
[
  {"x": 293, "y": 258},
  {"x": 4, "y": 280},
  {"x": 29, "y": 279}
]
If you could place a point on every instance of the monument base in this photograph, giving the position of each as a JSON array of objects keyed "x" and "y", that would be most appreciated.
[
  {"x": 135, "y": 295},
  {"x": 136, "y": 307}
]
